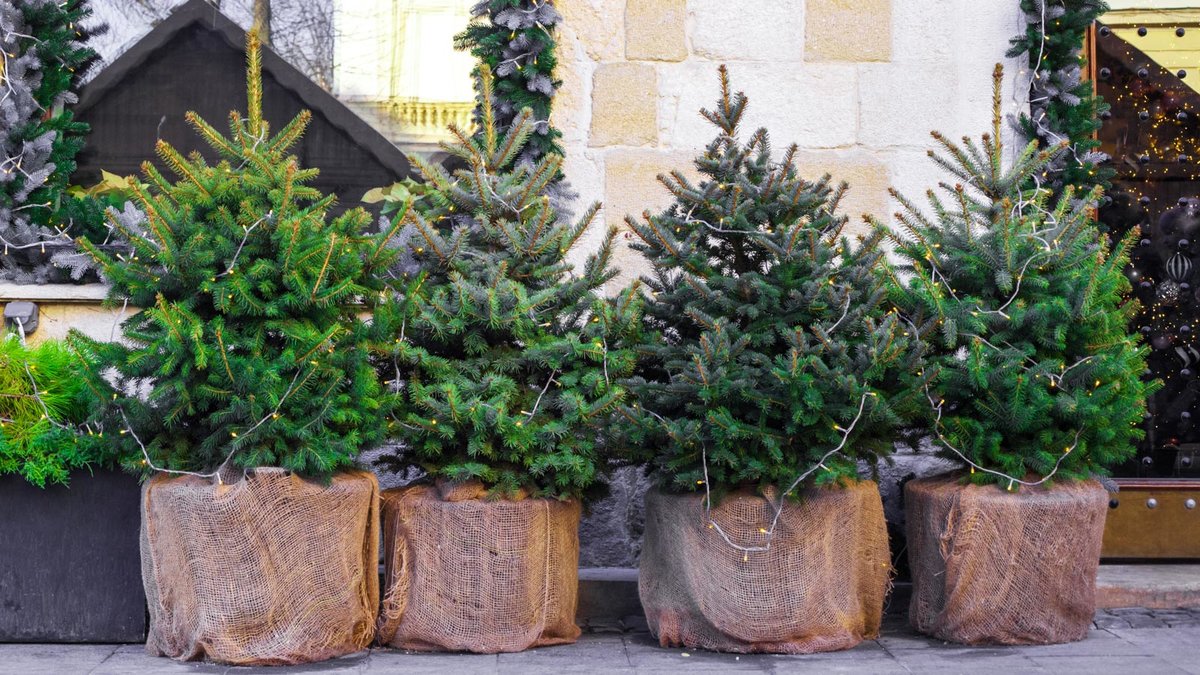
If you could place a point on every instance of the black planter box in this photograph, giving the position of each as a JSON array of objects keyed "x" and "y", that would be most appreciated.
[{"x": 70, "y": 570}]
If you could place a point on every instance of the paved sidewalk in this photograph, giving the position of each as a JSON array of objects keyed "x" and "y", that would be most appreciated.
[{"x": 1139, "y": 641}]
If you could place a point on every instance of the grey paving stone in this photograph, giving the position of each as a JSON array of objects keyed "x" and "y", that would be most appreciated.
[
  {"x": 52, "y": 659},
  {"x": 1145, "y": 621},
  {"x": 1098, "y": 643},
  {"x": 965, "y": 659},
  {"x": 645, "y": 655},
  {"x": 396, "y": 661},
  {"x": 592, "y": 653},
  {"x": 1111, "y": 621},
  {"x": 133, "y": 660},
  {"x": 1142, "y": 665},
  {"x": 1126, "y": 611}
]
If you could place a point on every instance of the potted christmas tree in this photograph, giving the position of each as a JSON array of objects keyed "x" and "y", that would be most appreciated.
[
  {"x": 70, "y": 520},
  {"x": 505, "y": 363},
  {"x": 1038, "y": 390},
  {"x": 770, "y": 369},
  {"x": 244, "y": 387}
]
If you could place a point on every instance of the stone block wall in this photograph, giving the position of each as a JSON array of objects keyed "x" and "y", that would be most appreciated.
[{"x": 857, "y": 84}]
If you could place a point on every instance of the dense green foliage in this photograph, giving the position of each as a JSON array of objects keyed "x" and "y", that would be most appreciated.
[
  {"x": 249, "y": 349},
  {"x": 504, "y": 358},
  {"x": 42, "y": 404},
  {"x": 767, "y": 343},
  {"x": 515, "y": 40},
  {"x": 1026, "y": 313},
  {"x": 1063, "y": 105}
]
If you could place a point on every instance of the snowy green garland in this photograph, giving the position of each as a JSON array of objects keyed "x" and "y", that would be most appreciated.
[
  {"x": 1063, "y": 106},
  {"x": 515, "y": 38}
]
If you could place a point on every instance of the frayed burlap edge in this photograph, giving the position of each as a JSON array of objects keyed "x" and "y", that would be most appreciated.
[
  {"x": 820, "y": 587},
  {"x": 991, "y": 566},
  {"x": 465, "y": 573},
  {"x": 288, "y": 640}
]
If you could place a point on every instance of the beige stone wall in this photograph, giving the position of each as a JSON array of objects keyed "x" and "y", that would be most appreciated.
[
  {"x": 63, "y": 307},
  {"x": 857, "y": 84}
]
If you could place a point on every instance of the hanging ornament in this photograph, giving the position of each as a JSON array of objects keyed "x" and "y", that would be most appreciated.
[
  {"x": 1168, "y": 292},
  {"x": 1179, "y": 268},
  {"x": 1188, "y": 355},
  {"x": 1160, "y": 342}
]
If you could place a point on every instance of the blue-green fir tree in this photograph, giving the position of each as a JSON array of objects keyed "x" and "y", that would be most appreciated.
[
  {"x": 1026, "y": 312},
  {"x": 248, "y": 349},
  {"x": 504, "y": 358},
  {"x": 769, "y": 355}
]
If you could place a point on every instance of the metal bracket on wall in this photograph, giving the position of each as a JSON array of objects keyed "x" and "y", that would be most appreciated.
[{"x": 21, "y": 317}]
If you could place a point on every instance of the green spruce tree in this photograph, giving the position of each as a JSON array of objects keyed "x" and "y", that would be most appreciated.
[
  {"x": 247, "y": 350},
  {"x": 769, "y": 355},
  {"x": 1026, "y": 313},
  {"x": 505, "y": 360}
]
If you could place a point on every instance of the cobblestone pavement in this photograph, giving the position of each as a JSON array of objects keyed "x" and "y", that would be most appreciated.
[{"x": 1139, "y": 641}]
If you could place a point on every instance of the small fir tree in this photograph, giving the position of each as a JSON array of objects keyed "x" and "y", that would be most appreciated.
[
  {"x": 1026, "y": 313},
  {"x": 770, "y": 357},
  {"x": 504, "y": 360},
  {"x": 43, "y": 404},
  {"x": 42, "y": 46},
  {"x": 249, "y": 350}
]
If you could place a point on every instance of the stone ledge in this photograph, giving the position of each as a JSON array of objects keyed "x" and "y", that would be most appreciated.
[
  {"x": 1153, "y": 586},
  {"x": 57, "y": 293},
  {"x": 607, "y": 594}
]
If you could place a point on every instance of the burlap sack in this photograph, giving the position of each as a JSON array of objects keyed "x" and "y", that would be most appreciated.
[
  {"x": 463, "y": 573},
  {"x": 268, "y": 570},
  {"x": 819, "y": 588},
  {"x": 991, "y": 566}
]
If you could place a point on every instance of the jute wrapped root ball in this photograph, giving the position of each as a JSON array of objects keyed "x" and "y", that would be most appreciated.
[
  {"x": 770, "y": 368},
  {"x": 993, "y": 566},
  {"x": 1038, "y": 390},
  {"x": 820, "y": 586},
  {"x": 268, "y": 570},
  {"x": 468, "y": 573}
]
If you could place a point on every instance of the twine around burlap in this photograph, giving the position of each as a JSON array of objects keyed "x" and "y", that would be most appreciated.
[
  {"x": 820, "y": 587},
  {"x": 465, "y": 573},
  {"x": 991, "y": 566},
  {"x": 268, "y": 570}
]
